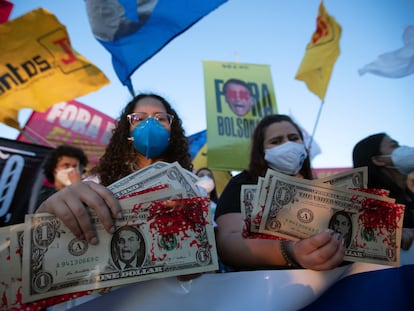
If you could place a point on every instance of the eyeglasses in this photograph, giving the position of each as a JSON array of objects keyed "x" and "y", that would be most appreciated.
[{"x": 137, "y": 117}]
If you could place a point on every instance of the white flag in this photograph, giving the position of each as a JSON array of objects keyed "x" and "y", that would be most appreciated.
[
  {"x": 310, "y": 143},
  {"x": 395, "y": 64}
]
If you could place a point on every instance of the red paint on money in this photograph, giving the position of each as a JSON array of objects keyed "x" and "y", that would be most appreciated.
[{"x": 175, "y": 217}]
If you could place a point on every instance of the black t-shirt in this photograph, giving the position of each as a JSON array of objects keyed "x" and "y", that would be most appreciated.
[{"x": 229, "y": 201}]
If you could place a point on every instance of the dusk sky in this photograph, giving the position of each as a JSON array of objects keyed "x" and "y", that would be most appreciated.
[{"x": 273, "y": 33}]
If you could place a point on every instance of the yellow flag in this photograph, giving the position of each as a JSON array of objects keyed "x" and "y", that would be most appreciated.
[
  {"x": 9, "y": 117},
  {"x": 39, "y": 67},
  {"x": 321, "y": 54}
]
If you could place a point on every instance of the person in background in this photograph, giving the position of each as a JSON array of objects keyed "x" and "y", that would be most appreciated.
[
  {"x": 389, "y": 167},
  {"x": 63, "y": 167},
  {"x": 208, "y": 183},
  {"x": 148, "y": 130},
  {"x": 277, "y": 143},
  {"x": 238, "y": 97}
]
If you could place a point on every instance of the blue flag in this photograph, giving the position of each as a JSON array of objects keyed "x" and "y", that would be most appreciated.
[
  {"x": 134, "y": 30},
  {"x": 196, "y": 142}
]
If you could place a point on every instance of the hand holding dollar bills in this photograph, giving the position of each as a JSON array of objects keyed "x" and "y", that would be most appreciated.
[
  {"x": 293, "y": 208},
  {"x": 165, "y": 230}
]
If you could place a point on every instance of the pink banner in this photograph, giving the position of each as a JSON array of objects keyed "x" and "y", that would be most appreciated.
[
  {"x": 5, "y": 10},
  {"x": 71, "y": 123}
]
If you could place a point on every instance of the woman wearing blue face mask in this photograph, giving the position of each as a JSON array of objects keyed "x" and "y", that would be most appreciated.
[
  {"x": 388, "y": 167},
  {"x": 277, "y": 143},
  {"x": 148, "y": 130}
]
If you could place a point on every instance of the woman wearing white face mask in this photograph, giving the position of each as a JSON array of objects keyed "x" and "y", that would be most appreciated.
[
  {"x": 388, "y": 166},
  {"x": 64, "y": 166},
  {"x": 208, "y": 183},
  {"x": 277, "y": 143}
]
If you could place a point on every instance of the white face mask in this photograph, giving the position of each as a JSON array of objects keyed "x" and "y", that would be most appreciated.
[
  {"x": 403, "y": 159},
  {"x": 63, "y": 176},
  {"x": 207, "y": 183},
  {"x": 287, "y": 158}
]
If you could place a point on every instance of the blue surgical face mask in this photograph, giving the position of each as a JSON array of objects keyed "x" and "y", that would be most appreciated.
[{"x": 150, "y": 138}]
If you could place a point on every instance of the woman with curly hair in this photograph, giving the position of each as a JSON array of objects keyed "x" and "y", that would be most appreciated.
[
  {"x": 170, "y": 144},
  {"x": 148, "y": 130}
]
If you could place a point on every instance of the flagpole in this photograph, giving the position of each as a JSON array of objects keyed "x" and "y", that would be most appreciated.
[
  {"x": 323, "y": 47},
  {"x": 33, "y": 139},
  {"x": 316, "y": 125},
  {"x": 29, "y": 137}
]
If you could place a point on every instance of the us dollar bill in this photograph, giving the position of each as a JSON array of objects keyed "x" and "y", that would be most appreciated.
[
  {"x": 159, "y": 173},
  {"x": 370, "y": 225},
  {"x": 5, "y": 268},
  {"x": 263, "y": 186},
  {"x": 354, "y": 178},
  {"x": 129, "y": 180},
  {"x": 16, "y": 249},
  {"x": 247, "y": 199},
  {"x": 153, "y": 240}
]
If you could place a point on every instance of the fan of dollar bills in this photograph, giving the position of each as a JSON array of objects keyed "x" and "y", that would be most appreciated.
[
  {"x": 166, "y": 231},
  {"x": 285, "y": 207}
]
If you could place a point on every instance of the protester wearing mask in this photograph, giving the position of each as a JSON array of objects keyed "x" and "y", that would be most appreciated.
[
  {"x": 207, "y": 182},
  {"x": 64, "y": 166},
  {"x": 388, "y": 167},
  {"x": 148, "y": 130},
  {"x": 277, "y": 143},
  {"x": 403, "y": 159},
  {"x": 287, "y": 158}
]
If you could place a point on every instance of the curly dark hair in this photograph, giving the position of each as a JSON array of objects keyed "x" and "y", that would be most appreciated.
[
  {"x": 64, "y": 150},
  {"x": 257, "y": 164},
  {"x": 120, "y": 157}
]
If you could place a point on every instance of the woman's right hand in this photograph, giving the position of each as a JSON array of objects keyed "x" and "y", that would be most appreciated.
[
  {"x": 322, "y": 251},
  {"x": 69, "y": 205}
]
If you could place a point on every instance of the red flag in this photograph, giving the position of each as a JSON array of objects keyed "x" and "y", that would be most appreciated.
[{"x": 5, "y": 10}]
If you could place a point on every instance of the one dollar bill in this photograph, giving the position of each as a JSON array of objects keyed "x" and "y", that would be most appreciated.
[
  {"x": 153, "y": 240},
  {"x": 370, "y": 224}
]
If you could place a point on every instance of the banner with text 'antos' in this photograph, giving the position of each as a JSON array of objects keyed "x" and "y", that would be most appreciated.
[
  {"x": 39, "y": 67},
  {"x": 71, "y": 123},
  {"x": 238, "y": 96}
]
